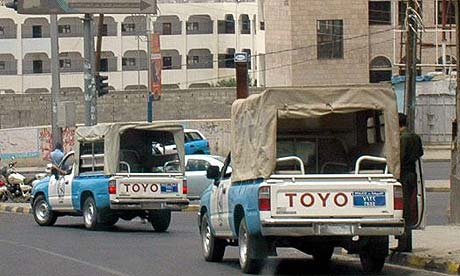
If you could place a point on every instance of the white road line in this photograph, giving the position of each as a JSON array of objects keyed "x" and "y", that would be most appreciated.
[{"x": 105, "y": 269}]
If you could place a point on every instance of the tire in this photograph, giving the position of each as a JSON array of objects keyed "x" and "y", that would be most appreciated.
[
  {"x": 213, "y": 249},
  {"x": 42, "y": 213},
  {"x": 160, "y": 219},
  {"x": 110, "y": 220},
  {"x": 374, "y": 254},
  {"x": 248, "y": 250},
  {"x": 323, "y": 255},
  {"x": 90, "y": 214}
]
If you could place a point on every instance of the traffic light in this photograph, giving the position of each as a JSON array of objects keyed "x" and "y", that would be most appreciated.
[
  {"x": 12, "y": 5},
  {"x": 102, "y": 86}
]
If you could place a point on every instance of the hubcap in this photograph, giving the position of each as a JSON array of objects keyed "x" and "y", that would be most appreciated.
[
  {"x": 243, "y": 243},
  {"x": 206, "y": 238},
  {"x": 42, "y": 210},
  {"x": 89, "y": 214}
]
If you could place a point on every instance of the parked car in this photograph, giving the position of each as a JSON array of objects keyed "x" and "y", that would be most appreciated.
[
  {"x": 194, "y": 143},
  {"x": 195, "y": 172}
]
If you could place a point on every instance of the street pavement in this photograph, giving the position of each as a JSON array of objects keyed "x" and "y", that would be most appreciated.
[{"x": 132, "y": 248}]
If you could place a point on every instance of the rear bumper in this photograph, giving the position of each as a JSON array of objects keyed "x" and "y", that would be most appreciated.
[
  {"x": 149, "y": 204},
  {"x": 331, "y": 227}
]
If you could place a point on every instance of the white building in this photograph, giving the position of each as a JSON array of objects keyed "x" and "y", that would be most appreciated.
[{"x": 197, "y": 41}]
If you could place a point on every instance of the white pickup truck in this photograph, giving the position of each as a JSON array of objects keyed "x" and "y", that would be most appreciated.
[
  {"x": 313, "y": 169},
  {"x": 115, "y": 172}
]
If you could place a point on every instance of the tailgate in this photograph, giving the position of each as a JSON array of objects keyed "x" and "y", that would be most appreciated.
[
  {"x": 149, "y": 187},
  {"x": 335, "y": 199}
]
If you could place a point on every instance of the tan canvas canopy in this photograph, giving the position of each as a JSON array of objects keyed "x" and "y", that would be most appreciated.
[
  {"x": 254, "y": 121},
  {"x": 110, "y": 134}
]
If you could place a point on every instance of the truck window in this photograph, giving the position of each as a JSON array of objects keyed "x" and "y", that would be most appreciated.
[
  {"x": 148, "y": 152},
  {"x": 92, "y": 157}
]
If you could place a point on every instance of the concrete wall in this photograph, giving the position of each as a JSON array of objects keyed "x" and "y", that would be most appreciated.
[
  {"x": 22, "y": 110},
  {"x": 31, "y": 146}
]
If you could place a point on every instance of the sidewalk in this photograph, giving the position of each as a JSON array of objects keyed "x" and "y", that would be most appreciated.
[{"x": 436, "y": 248}]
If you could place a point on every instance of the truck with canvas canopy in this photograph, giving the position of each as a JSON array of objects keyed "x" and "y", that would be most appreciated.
[
  {"x": 116, "y": 171},
  {"x": 312, "y": 168}
]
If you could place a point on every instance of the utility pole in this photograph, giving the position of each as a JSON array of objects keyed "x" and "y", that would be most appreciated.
[
  {"x": 411, "y": 69},
  {"x": 55, "y": 81},
  {"x": 149, "y": 70},
  {"x": 100, "y": 28},
  {"x": 455, "y": 165},
  {"x": 90, "y": 91},
  {"x": 241, "y": 66}
]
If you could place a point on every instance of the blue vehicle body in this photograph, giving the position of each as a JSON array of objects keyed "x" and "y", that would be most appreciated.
[
  {"x": 195, "y": 143},
  {"x": 94, "y": 184}
]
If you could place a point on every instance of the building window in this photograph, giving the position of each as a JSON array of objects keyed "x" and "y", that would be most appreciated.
[
  {"x": 37, "y": 66},
  {"x": 2, "y": 30},
  {"x": 64, "y": 29},
  {"x": 380, "y": 13},
  {"x": 104, "y": 30},
  {"x": 128, "y": 27},
  {"x": 2, "y": 65},
  {"x": 36, "y": 31},
  {"x": 380, "y": 70},
  {"x": 449, "y": 61},
  {"x": 128, "y": 62},
  {"x": 402, "y": 7},
  {"x": 192, "y": 26},
  {"x": 65, "y": 63},
  {"x": 104, "y": 66},
  {"x": 194, "y": 60},
  {"x": 450, "y": 12},
  {"x": 262, "y": 25},
  {"x": 167, "y": 63},
  {"x": 167, "y": 28},
  {"x": 245, "y": 24},
  {"x": 330, "y": 39}
]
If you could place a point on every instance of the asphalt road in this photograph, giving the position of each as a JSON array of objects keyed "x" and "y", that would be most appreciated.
[
  {"x": 132, "y": 248},
  {"x": 436, "y": 170}
]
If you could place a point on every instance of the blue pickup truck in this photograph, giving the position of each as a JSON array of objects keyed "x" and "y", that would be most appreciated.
[
  {"x": 312, "y": 168},
  {"x": 115, "y": 173}
]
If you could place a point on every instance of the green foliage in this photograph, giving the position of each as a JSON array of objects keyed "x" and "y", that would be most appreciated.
[{"x": 231, "y": 83}]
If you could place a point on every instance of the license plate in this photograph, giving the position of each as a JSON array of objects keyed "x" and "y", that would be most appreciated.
[
  {"x": 369, "y": 199},
  {"x": 336, "y": 229},
  {"x": 169, "y": 188}
]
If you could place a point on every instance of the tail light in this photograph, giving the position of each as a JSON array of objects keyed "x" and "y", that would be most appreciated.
[
  {"x": 2, "y": 183},
  {"x": 112, "y": 187},
  {"x": 398, "y": 198},
  {"x": 264, "y": 199},
  {"x": 184, "y": 187}
]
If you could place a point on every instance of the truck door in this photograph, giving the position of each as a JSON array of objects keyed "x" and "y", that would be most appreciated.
[
  {"x": 60, "y": 185},
  {"x": 420, "y": 223},
  {"x": 219, "y": 202}
]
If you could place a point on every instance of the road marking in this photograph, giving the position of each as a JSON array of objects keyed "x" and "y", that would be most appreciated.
[{"x": 105, "y": 269}]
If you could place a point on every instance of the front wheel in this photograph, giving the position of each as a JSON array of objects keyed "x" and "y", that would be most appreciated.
[
  {"x": 160, "y": 219},
  {"x": 90, "y": 214},
  {"x": 323, "y": 255},
  {"x": 248, "y": 251},
  {"x": 213, "y": 249},
  {"x": 374, "y": 254},
  {"x": 42, "y": 213}
]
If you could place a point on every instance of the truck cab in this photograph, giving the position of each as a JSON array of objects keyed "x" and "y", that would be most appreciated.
[
  {"x": 312, "y": 168},
  {"x": 115, "y": 172}
]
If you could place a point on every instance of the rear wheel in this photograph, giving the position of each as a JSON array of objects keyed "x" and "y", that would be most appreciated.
[
  {"x": 160, "y": 219},
  {"x": 42, "y": 213},
  {"x": 374, "y": 254},
  {"x": 248, "y": 251},
  {"x": 213, "y": 249},
  {"x": 90, "y": 214},
  {"x": 110, "y": 220}
]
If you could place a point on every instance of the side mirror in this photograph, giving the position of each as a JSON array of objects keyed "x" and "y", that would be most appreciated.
[
  {"x": 213, "y": 172},
  {"x": 55, "y": 172},
  {"x": 49, "y": 166}
]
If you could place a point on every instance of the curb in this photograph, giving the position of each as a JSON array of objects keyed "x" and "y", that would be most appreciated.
[
  {"x": 10, "y": 208},
  {"x": 437, "y": 189},
  {"x": 425, "y": 263},
  {"x": 15, "y": 209}
]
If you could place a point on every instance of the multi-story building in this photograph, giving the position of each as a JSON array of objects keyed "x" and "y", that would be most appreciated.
[
  {"x": 198, "y": 40},
  {"x": 357, "y": 41}
]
